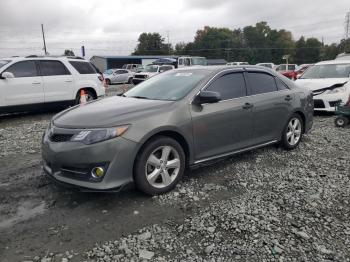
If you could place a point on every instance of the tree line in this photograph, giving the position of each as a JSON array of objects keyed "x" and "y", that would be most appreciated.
[{"x": 254, "y": 44}]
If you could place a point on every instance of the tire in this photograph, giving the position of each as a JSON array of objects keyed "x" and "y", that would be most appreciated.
[
  {"x": 89, "y": 96},
  {"x": 293, "y": 132},
  {"x": 152, "y": 174},
  {"x": 341, "y": 121},
  {"x": 130, "y": 80},
  {"x": 108, "y": 82}
]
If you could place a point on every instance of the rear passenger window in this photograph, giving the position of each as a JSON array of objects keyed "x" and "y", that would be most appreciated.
[
  {"x": 23, "y": 69},
  {"x": 53, "y": 68},
  {"x": 229, "y": 86},
  {"x": 261, "y": 83},
  {"x": 280, "y": 84},
  {"x": 83, "y": 67}
]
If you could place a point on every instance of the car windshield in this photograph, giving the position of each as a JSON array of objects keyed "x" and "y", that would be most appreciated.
[
  {"x": 150, "y": 68},
  {"x": 327, "y": 71},
  {"x": 4, "y": 62},
  {"x": 284, "y": 68},
  {"x": 172, "y": 85},
  {"x": 199, "y": 61}
]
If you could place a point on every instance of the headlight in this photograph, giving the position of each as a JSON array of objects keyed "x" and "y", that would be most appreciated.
[
  {"x": 337, "y": 90},
  {"x": 91, "y": 136}
]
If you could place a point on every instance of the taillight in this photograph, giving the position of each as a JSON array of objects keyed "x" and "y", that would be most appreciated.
[
  {"x": 102, "y": 79},
  {"x": 348, "y": 102}
]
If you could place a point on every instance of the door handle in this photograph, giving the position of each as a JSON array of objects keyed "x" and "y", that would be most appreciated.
[
  {"x": 69, "y": 81},
  {"x": 288, "y": 98},
  {"x": 36, "y": 83},
  {"x": 247, "y": 106}
]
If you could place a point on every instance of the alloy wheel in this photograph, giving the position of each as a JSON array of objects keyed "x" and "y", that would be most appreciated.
[
  {"x": 162, "y": 166},
  {"x": 294, "y": 131}
]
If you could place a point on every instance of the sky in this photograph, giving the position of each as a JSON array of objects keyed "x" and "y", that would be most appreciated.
[{"x": 112, "y": 27}]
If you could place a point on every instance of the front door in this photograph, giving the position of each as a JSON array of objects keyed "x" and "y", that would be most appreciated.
[
  {"x": 224, "y": 126},
  {"x": 26, "y": 88}
]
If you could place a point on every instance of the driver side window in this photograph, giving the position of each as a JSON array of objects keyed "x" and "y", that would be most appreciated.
[
  {"x": 23, "y": 69},
  {"x": 229, "y": 86}
]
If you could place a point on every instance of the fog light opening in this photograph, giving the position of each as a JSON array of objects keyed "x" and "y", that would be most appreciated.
[{"x": 97, "y": 172}]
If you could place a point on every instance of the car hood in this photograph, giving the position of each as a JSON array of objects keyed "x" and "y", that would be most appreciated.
[
  {"x": 108, "y": 112},
  {"x": 315, "y": 84}
]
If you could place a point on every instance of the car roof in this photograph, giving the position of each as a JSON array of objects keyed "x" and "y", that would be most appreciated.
[
  {"x": 333, "y": 62},
  {"x": 35, "y": 57},
  {"x": 214, "y": 69}
]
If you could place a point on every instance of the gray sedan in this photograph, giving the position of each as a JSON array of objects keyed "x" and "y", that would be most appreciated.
[{"x": 175, "y": 120}]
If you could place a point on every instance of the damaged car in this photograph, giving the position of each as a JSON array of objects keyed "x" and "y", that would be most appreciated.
[{"x": 329, "y": 82}]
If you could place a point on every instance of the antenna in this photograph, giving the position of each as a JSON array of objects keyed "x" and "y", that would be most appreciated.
[{"x": 42, "y": 30}]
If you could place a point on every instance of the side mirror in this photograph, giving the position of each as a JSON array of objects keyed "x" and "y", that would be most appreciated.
[
  {"x": 207, "y": 97},
  {"x": 5, "y": 75}
]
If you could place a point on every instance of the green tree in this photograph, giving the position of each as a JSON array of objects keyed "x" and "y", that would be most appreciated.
[
  {"x": 68, "y": 52},
  {"x": 152, "y": 44}
]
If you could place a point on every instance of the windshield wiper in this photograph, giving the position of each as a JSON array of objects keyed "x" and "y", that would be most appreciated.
[{"x": 139, "y": 97}]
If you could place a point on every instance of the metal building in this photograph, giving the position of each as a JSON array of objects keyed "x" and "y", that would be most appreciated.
[{"x": 106, "y": 62}]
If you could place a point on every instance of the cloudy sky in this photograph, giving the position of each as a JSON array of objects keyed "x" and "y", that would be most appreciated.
[{"x": 113, "y": 26}]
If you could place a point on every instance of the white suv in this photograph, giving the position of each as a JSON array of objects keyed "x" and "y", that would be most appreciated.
[{"x": 33, "y": 82}]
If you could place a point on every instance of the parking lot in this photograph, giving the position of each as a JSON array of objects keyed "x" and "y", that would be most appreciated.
[{"x": 268, "y": 204}]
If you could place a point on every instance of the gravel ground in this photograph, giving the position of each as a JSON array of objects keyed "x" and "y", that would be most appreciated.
[
  {"x": 264, "y": 205},
  {"x": 292, "y": 206}
]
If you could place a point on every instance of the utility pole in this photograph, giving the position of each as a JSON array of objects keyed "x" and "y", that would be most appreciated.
[
  {"x": 42, "y": 30},
  {"x": 347, "y": 25},
  {"x": 168, "y": 37}
]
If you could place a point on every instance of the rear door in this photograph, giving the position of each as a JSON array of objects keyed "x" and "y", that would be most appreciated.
[
  {"x": 224, "y": 126},
  {"x": 25, "y": 88},
  {"x": 58, "y": 81},
  {"x": 272, "y": 105}
]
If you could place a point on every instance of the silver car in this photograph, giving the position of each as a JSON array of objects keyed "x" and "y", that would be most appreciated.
[
  {"x": 172, "y": 121},
  {"x": 118, "y": 76}
]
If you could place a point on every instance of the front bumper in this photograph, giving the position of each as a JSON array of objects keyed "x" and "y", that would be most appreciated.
[
  {"x": 327, "y": 102},
  {"x": 71, "y": 162},
  {"x": 137, "y": 80}
]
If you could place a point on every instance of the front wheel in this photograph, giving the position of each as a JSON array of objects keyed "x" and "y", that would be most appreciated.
[
  {"x": 159, "y": 166},
  {"x": 341, "y": 121},
  {"x": 293, "y": 132}
]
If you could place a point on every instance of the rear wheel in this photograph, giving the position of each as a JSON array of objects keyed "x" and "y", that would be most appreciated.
[
  {"x": 293, "y": 132},
  {"x": 88, "y": 95},
  {"x": 341, "y": 121},
  {"x": 159, "y": 166},
  {"x": 130, "y": 80}
]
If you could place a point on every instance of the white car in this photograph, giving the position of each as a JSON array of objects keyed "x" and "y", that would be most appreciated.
[
  {"x": 237, "y": 63},
  {"x": 268, "y": 65},
  {"x": 33, "y": 82},
  {"x": 150, "y": 71},
  {"x": 118, "y": 76},
  {"x": 330, "y": 83}
]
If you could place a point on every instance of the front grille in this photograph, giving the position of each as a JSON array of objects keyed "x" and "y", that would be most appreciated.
[
  {"x": 141, "y": 76},
  {"x": 318, "y": 103},
  {"x": 334, "y": 103},
  {"x": 60, "y": 137}
]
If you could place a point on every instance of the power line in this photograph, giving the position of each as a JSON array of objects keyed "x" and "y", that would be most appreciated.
[{"x": 347, "y": 25}]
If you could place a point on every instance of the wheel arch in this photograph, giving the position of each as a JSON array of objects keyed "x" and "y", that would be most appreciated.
[
  {"x": 172, "y": 133},
  {"x": 303, "y": 117},
  {"x": 91, "y": 89}
]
